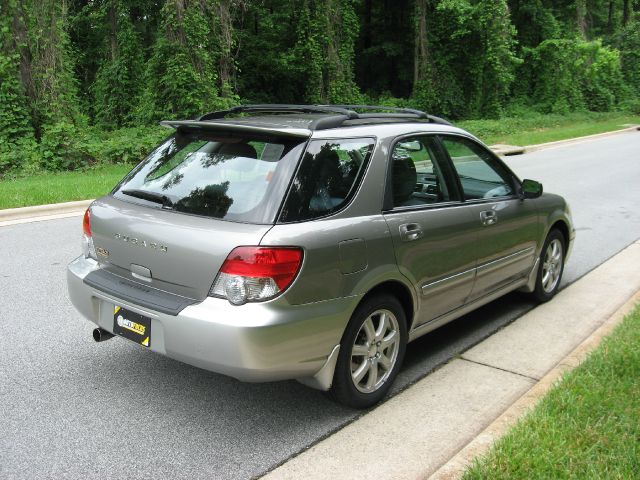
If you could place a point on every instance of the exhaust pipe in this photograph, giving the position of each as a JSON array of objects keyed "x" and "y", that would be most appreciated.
[{"x": 100, "y": 335}]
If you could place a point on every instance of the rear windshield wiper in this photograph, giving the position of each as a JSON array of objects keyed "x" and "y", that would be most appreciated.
[{"x": 150, "y": 196}]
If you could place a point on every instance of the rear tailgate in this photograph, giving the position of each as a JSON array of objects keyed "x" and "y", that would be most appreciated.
[{"x": 163, "y": 251}]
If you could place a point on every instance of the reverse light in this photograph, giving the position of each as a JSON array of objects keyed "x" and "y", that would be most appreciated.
[
  {"x": 254, "y": 274},
  {"x": 88, "y": 249}
]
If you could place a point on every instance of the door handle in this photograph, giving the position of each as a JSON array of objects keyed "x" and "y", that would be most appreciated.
[
  {"x": 488, "y": 217},
  {"x": 410, "y": 231}
]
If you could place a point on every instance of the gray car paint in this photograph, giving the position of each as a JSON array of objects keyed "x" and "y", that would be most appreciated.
[{"x": 463, "y": 265}]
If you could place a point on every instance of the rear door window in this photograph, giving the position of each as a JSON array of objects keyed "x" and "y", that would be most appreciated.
[
  {"x": 327, "y": 178},
  {"x": 239, "y": 179}
]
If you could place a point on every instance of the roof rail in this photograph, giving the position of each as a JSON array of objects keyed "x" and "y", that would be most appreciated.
[
  {"x": 337, "y": 114},
  {"x": 396, "y": 110},
  {"x": 280, "y": 108}
]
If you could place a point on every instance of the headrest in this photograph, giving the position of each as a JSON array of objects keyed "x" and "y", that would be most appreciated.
[
  {"x": 405, "y": 178},
  {"x": 238, "y": 150}
]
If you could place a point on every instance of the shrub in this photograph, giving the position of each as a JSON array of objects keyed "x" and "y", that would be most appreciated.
[
  {"x": 126, "y": 145},
  {"x": 62, "y": 148},
  {"x": 564, "y": 75}
]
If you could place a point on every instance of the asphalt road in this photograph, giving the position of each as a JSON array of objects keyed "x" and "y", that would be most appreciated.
[{"x": 71, "y": 408}]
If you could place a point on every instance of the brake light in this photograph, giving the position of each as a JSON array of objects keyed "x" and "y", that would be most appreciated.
[
  {"x": 88, "y": 249},
  {"x": 86, "y": 223},
  {"x": 256, "y": 273}
]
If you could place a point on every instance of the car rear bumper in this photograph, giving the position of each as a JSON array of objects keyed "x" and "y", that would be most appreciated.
[{"x": 254, "y": 342}]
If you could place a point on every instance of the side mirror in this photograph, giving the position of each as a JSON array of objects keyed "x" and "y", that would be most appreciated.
[{"x": 531, "y": 189}]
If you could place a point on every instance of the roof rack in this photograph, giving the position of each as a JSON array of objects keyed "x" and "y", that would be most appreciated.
[
  {"x": 279, "y": 108},
  {"x": 336, "y": 115}
]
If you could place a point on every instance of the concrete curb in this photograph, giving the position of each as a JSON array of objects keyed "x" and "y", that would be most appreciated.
[
  {"x": 480, "y": 445},
  {"x": 12, "y": 216}
]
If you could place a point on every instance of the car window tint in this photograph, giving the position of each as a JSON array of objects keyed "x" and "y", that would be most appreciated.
[
  {"x": 238, "y": 179},
  {"x": 416, "y": 176},
  {"x": 327, "y": 178},
  {"x": 480, "y": 175}
]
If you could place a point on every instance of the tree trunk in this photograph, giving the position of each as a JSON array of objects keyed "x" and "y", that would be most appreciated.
[
  {"x": 625, "y": 13},
  {"x": 421, "y": 50},
  {"x": 225, "y": 37},
  {"x": 581, "y": 17},
  {"x": 113, "y": 28},
  {"x": 22, "y": 44},
  {"x": 610, "y": 18}
]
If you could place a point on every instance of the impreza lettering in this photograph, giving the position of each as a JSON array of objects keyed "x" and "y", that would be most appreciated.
[{"x": 140, "y": 242}]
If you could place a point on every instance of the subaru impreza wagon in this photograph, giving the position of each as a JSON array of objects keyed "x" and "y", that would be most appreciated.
[{"x": 308, "y": 242}]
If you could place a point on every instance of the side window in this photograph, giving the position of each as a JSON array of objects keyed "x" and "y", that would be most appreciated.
[
  {"x": 480, "y": 175},
  {"x": 416, "y": 176},
  {"x": 327, "y": 178}
]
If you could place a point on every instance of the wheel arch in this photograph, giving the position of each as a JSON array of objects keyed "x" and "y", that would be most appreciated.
[
  {"x": 399, "y": 290},
  {"x": 563, "y": 228}
]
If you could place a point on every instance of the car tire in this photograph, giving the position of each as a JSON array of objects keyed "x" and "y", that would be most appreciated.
[
  {"x": 551, "y": 267},
  {"x": 371, "y": 352}
]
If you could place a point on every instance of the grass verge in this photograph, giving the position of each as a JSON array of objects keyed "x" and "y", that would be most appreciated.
[
  {"x": 527, "y": 129},
  {"x": 60, "y": 187},
  {"x": 532, "y": 129},
  {"x": 587, "y": 426}
]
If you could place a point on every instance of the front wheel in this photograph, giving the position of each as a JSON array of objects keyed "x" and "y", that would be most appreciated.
[
  {"x": 371, "y": 352},
  {"x": 551, "y": 267}
]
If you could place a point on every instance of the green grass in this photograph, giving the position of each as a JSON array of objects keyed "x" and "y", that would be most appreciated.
[
  {"x": 60, "y": 187},
  {"x": 532, "y": 129},
  {"x": 588, "y": 426}
]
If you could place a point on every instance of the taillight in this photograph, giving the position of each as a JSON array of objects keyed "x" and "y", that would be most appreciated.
[
  {"x": 88, "y": 249},
  {"x": 86, "y": 223},
  {"x": 254, "y": 274}
]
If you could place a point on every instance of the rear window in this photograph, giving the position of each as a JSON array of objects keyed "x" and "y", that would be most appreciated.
[
  {"x": 327, "y": 178},
  {"x": 239, "y": 179}
]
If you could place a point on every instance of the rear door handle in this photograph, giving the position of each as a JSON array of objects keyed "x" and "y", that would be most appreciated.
[
  {"x": 488, "y": 217},
  {"x": 410, "y": 231}
]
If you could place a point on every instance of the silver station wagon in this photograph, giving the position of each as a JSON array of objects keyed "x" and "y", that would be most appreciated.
[{"x": 312, "y": 242}]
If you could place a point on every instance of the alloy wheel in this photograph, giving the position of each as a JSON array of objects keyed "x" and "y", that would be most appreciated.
[
  {"x": 375, "y": 351},
  {"x": 552, "y": 265}
]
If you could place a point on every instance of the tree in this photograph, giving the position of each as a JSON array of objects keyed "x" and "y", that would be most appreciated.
[
  {"x": 116, "y": 88},
  {"x": 180, "y": 78},
  {"x": 497, "y": 60},
  {"x": 325, "y": 51}
]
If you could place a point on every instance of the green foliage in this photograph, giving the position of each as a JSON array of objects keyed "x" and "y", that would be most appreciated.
[
  {"x": 325, "y": 50},
  {"x": 571, "y": 74},
  {"x": 535, "y": 22},
  {"x": 71, "y": 72},
  {"x": 180, "y": 79},
  {"x": 602, "y": 82},
  {"x": 117, "y": 84},
  {"x": 62, "y": 148},
  {"x": 629, "y": 44},
  {"x": 495, "y": 69},
  {"x": 16, "y": 133},
  {"x": 54, "y": 96},
  {"x": 472, "y": 72},
  {"x": 127, "y": 145}
]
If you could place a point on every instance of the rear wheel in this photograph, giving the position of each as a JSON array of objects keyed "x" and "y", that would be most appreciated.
[
  {"x": 551, "y": 267},
  {"x": 371, "y": 352}
]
